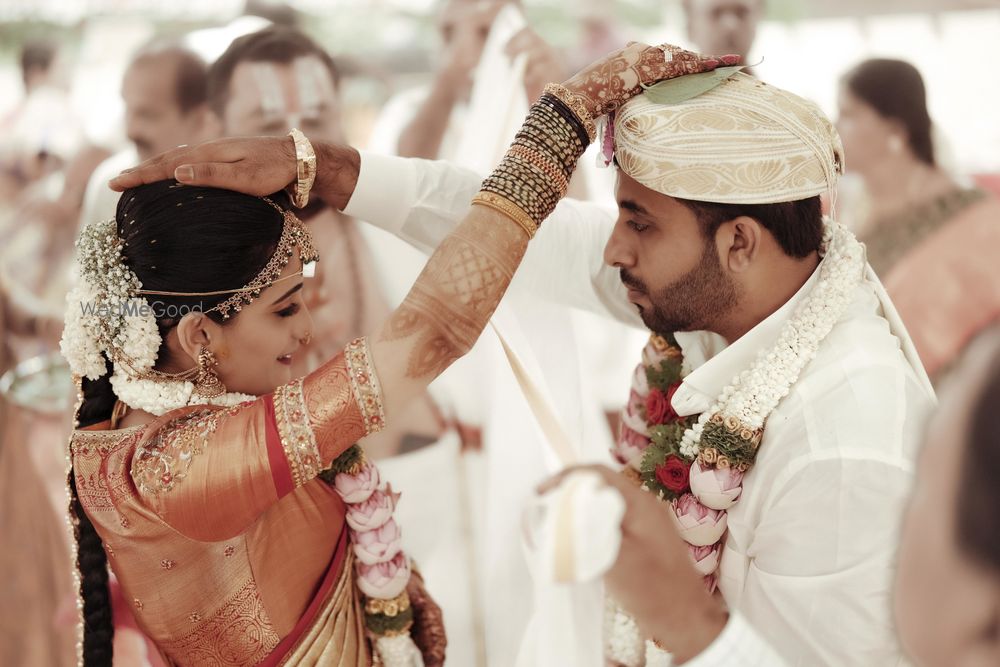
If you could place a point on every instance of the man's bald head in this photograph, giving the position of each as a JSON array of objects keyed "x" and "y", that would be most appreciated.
[{"x": 165, "y": 93}]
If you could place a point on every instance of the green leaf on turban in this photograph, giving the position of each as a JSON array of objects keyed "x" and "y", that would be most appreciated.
[{"x": 675, "y": 91}]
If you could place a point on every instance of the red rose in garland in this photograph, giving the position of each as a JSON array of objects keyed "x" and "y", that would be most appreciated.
[
  {"x": 671, "y": 416},
  {"x": 656, "y": 407},
  {"x": 673, "y": 474}
]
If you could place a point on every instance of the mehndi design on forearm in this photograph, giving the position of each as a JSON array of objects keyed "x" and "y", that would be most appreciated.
[{"x": 456, "y": 294}]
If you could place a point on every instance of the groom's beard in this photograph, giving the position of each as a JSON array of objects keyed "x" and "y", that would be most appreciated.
[{"x": 694, "y": 302}]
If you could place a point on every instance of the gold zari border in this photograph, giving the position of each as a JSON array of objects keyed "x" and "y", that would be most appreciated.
[
  {"x": 365, "y": 385},
  {"x": 297, "y": 436}
]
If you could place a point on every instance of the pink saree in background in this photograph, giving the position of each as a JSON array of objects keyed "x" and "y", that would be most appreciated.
[{"x": 947, "y": 287}]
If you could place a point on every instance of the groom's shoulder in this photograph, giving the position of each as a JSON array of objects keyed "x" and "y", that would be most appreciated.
[
  {"x": 861, "y": 388},
  {"x": 863, "y": 347}
]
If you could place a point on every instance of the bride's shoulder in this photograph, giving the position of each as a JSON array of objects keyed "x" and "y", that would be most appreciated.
[{"x": 169, "y": 443}]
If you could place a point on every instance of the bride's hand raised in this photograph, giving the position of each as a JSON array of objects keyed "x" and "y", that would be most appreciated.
[{"x": 610, "y": 82}]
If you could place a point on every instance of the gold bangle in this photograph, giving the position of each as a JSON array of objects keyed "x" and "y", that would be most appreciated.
[
  {"x": 305, "y": 168},
  {"x": 509, "y": 209},
  {"x": 538, "y": 160},
  {"x": 576, "y": 105},
  {"x": 390, "y": 608}
]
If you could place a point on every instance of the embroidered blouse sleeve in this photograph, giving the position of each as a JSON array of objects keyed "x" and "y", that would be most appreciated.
[{"x": 212, "y": 473}]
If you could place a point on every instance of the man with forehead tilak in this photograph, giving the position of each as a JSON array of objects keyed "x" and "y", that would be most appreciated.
[
  {"x": 777, "y": 407},
  {"x": 778, "y": 404},
  {"x": 267, "y": 83}
]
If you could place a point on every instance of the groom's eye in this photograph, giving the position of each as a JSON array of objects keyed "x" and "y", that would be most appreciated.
[{"x": 636, "y": 226}]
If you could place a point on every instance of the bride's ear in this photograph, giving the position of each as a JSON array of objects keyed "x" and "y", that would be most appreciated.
[{"x": 194, "y": 332}]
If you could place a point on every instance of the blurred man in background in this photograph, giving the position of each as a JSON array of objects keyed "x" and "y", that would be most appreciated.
[
  {"x": 164, "y": 90},
  {"x": 41, "y": 133},
  {"x": 426, "y": 121},
  {"x": 267, "y": 83},
  {"x": 723, "y": 26}
]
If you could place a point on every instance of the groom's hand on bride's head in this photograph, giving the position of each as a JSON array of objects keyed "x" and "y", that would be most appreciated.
[{"x": 252, "y": 165}]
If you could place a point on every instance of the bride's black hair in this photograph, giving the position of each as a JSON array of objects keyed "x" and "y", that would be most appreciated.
[{"x": 177, "y": 238}]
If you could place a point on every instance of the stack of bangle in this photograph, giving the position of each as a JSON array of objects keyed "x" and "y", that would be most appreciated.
[
  {"x": 575, "y": 106},
  {"x": 534, "y": 174}
]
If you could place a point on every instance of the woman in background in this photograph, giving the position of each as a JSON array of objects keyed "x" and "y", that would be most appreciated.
[{"x": 931, "y": 240}]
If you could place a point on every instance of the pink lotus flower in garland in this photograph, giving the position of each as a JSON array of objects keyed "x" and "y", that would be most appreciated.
[
  {"x": 698, "y": 525},
  {"x": 379, "y": 545},
  {"x": 358, "y": 488},
  {"x": 706, "y": 559},
  {"x": 634, "y": 414},
  {"x": 717, "y": 488},
  {"x": 640, "y": 384},
  {"x": 372, "y": 513},
  {"x": 629, "y": 447},
  {"x": 384, "y": 580},
  {"x": 381, "y": 569}
]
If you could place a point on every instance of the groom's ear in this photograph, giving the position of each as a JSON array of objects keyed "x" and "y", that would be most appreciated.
[{"x": 740, "y": 238}]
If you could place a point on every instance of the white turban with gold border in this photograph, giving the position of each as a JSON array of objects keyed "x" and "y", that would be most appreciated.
[{"x": 742, "y": 142}]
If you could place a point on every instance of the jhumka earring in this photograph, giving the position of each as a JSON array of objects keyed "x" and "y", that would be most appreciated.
[{"x": 207, "y": 383}]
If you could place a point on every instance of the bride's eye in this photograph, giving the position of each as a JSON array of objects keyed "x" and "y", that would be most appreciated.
[{"x": 288, "y": 311}]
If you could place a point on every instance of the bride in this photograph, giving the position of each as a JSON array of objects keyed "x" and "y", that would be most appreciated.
[{"x": 232, "y": 502}]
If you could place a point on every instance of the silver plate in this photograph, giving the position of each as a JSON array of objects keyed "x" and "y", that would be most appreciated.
[{"x": 43, "y": 384}]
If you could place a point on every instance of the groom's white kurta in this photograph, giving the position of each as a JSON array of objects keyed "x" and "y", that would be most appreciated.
[{"x": 809, "y": 556}]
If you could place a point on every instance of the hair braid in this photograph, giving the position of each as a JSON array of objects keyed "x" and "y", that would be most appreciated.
[{"x": 92, "y": 563}]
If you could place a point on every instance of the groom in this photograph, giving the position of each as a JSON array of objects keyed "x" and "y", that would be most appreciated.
[{"x": 720, "y": 240}]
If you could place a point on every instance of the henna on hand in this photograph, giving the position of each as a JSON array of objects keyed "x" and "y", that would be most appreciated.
[{"x": 615, "y": 79}]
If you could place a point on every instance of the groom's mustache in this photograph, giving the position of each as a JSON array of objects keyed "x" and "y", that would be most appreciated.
[{"x": 631, "y": 281}]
